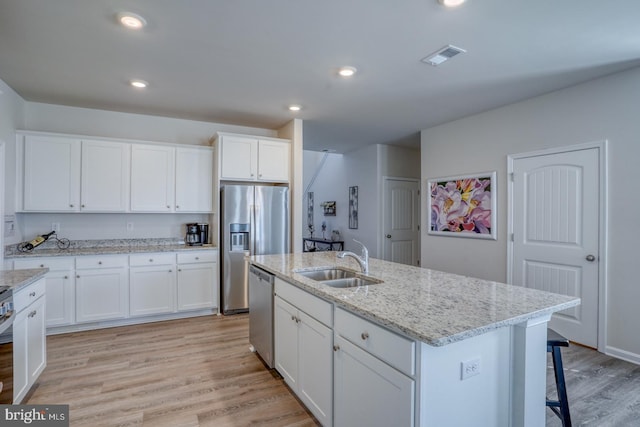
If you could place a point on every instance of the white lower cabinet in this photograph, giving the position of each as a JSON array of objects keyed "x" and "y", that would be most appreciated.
[
  {"x": 369, "y": 387},
  {"x": 102, "y": 288},
  {"x": 303, "y": 349},
  {"x": 60, "y": 287},
  {"x": 29, "y": 338},
  {"x": 197, "y": 280},
  {"x": 367, "y": 391},
  {"x": 152, "y": 284}
]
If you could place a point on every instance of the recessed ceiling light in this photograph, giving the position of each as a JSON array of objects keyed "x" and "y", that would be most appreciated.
[
  {"x": 140, "y": 84},
  {"x": 295, "y": 107},
  {"x": 451, "y": 3},
  {"x": 347, "y": 71},
  {"x": 131, "y": 20}
]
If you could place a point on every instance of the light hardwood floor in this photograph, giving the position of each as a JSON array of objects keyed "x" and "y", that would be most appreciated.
[
  {"x": 602, "y": 391},
  {"x": 199, "y": 372},
  {"x": 189, "y": 372}
]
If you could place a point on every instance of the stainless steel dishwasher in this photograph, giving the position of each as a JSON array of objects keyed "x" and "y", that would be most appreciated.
[{"x": 261, "y": 313}]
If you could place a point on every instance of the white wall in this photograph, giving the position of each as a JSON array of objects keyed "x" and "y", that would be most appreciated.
[
  {"x": 602, "y": 109},
  {"x": 363, "y": 168},
  {"x": 293, "y": 132}
]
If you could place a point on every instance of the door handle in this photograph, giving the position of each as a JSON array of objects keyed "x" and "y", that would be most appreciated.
[
  {"x": 388, "y": 236},
  {"x": 591, "y": 258}
]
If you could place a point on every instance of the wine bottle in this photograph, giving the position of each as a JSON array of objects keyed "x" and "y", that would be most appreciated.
[{"x": 37, "y": 241}]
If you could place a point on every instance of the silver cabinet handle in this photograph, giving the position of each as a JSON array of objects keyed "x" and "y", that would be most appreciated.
[
  {"x": 82, "y": 206},
  {"x": 41, "y": 265},
  {"x": 70, "y": 206},
  {"x": 32, "y": 294},
  {"x": 388, "y": 236},
  {"x": 168, "y": 207},
  {"x": 66, "y": 277},
  {"x": 179, "y": 269},
  {"x": 591, "y": 258},
  {"x": 177, "y": 207},
  {"x": 170, "y": 271},
  {"x": 364, "y": 335},
  {"x": 150, "y": 259},
  {"x": 336, "y": 347},
  {"x": 99, "y": 262},
  {"x": 197, "y": 258},
  {"x": 33, "y": 313}
]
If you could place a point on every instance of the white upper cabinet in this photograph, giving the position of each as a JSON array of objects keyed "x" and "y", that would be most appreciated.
[
  {"x": 194, "y": 179},
  {"x": 57, "y": 173},
  {"x": 273, "y": 161},
  {"x": 105, "y": 176},
  {"x": 51, "y": 174},
  {"x": 247, "y": 158},
  {"x": 152, "y": 178}
]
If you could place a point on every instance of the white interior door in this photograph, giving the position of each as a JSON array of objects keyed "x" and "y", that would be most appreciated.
[
  {"x": 556, "y": 205},
  {"x": 401, "y": 222}
]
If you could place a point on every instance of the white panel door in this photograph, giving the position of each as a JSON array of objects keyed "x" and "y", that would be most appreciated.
[
  {"x": 238, "y": 158},
  {"x": 152, "y": 290},
  {"x": 197, "y": 286},
  {"x": 401, "y": 221},
  {"x": 273, "y": 161},
  {"x": 555, "y": 224}
]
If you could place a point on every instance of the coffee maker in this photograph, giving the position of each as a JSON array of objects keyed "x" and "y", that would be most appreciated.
[{"x": 197, "y": 234}]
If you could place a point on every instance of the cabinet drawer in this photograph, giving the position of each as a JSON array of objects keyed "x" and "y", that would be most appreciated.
[
  {"x": 388, "y": 346},
  {"x": 190, "y": 257},
  {"x": 303, "y": 300},
  {"x": 101, "y": 261},
  {"x": 152, "y": 259},
  {"x": 53, "y": 264},
  {"x": 27, "y": 295}
]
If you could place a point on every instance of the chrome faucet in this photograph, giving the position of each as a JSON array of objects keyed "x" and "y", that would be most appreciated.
[{"x": 363, "y": 260}]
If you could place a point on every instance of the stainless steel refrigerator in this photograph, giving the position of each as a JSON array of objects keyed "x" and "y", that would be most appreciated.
[{"x": 254, "y": 220}]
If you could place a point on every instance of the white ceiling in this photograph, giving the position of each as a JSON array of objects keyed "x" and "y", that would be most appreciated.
[{"x": 243, "y": 61}]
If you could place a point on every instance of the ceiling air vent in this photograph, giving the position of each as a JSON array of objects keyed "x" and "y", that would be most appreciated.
[{"x": 442, "y": 55}]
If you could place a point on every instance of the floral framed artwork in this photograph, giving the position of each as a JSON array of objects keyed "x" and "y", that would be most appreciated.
[{"x": 463, "y": 206}]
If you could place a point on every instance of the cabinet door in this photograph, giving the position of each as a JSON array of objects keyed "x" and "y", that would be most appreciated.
[
  {"x": 101, "y": 294},
  {"x": 51, "y": 174},
  {"x": 273, "y": 161},
  {"x": 238, "y": 158},
  {"x": 105, "y": 176},
  {"x": 368, "y": 392},
  {"x": 152, "y": 178},
  {"x": 60, "y": 291},
  {"x": 194, "y": 180},
  {"x": 197, "y": 286},
  {"x": 36, "y": 339},
  {"x": 20, "y": 356},
  {"x": 286, "y": 341},
  {"x": 315, "y": 365},
  {"x": 152, "y": 290}
]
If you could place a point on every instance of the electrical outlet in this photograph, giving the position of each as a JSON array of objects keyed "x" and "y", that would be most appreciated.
[
  {"x": 470, "y": 368},
  {"x": 55, "y": 226},
  {"x": 129, "y": 226}
]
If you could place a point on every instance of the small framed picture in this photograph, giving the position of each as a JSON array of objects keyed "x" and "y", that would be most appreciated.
[{"x": 353, "y": 207}]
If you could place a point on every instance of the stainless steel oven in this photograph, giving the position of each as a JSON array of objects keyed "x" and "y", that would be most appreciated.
[{"x": 7, "y": 314}]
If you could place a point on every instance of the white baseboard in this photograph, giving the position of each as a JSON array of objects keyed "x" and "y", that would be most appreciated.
[{"x": 623, "y": 355}]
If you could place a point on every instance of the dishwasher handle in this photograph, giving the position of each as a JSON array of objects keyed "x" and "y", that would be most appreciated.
[{"x": 261, "y": 274}]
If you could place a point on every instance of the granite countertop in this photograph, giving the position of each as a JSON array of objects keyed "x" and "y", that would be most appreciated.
[
  {"x": 105, "y": 247},
  {"x": 17, "y": 279},
  {"x": 431, "y": 306}
]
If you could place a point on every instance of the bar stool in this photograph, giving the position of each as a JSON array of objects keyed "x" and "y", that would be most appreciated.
[{"x": 559, "y": 407}]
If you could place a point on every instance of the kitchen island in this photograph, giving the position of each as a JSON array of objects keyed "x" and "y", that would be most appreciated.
[{"x": 475, "y": 349}]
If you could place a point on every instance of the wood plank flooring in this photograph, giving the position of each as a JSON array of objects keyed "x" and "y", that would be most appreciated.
[
  {"x": 602, "y": 391},
  {"x": 189, "y": 372},
  {"x": 198, "y": 372}
]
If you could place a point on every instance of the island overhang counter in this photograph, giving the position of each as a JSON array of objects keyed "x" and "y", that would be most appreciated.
[{"x": 456, "y": 322}]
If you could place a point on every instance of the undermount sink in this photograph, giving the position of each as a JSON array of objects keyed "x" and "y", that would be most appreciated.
[
  {"x": 351, "y": 282},
  {"x": 338, "y": 277},
  {"x": 327, "y": 274}
]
